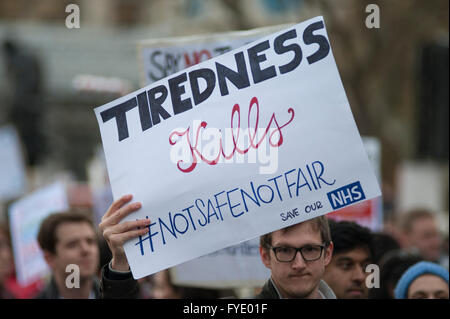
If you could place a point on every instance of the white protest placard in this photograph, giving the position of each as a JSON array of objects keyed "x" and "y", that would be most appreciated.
[
  {"x": 231, "y": 267},
  {"x": 235, "y": 266},
  {"x": 25, "y": 217},
  {"x": 159, "y": 58},
  {"x": 251, "y": 141},
  {"x": 13, "y": 181}
]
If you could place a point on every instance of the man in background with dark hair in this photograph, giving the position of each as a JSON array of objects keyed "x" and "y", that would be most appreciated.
[
  {"x": 69, "y": 238},
  {"x": 353, "y": 251}
]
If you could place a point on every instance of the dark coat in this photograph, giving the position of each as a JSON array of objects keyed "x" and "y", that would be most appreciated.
[
  {"x": 118, "y": 286},
  {"x": 269, "y": 291},
  {"x": 51, "y": 290}
]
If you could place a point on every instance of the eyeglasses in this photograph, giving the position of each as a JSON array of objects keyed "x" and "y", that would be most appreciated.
[{"x": 287, "y": 254}]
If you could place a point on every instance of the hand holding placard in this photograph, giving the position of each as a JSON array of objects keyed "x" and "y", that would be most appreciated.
[{"x": 117, "y": 234}]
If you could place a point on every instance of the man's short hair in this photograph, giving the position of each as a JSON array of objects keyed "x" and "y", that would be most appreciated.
[
  {"x": 383, "y": 243},
  {"x": 320, "y": 223},
  {"x": 348, "y": 235},
  {"x": 47, "y": 231},
  {"x": 411, "y": 216}
]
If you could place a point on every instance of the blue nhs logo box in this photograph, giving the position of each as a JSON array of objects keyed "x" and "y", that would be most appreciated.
[{"x": 346, "y": 195}]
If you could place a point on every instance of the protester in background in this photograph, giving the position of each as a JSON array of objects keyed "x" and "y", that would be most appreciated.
[
  {"x": 163, "y": 287},
  {"x": 6, "y": 262},
  {"x": 423, "y": 280},
  {"x": 353, "y": 251},
  {"x": 297, "y": 256},
  {"x": 10, "y": 288},
  {"x": 391, "y": 226},
  {"x": 392, "y": 265},
  {"x": 444, "y": 261},
  {"x": 69, "y": 238},
  {"x": 146, "y": 285},
  {"x": 382, "y": 244},
  {"x": 420, "y": 232}
]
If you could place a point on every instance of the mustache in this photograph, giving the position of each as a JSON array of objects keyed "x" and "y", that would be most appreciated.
[{"x": 356, "y": 286}]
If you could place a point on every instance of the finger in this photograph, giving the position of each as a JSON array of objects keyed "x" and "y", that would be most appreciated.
[
  {"x": 118, "y": 240},
  {"x": 121, "y": 213},
  {"x": 127, "y": 226},
  {"x": 117, "y": 205}
]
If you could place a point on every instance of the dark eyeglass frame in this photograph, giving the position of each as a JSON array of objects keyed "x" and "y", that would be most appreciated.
[{"x": 300, "y": 249}]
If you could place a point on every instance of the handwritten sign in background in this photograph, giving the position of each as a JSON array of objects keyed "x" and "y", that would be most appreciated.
[
  {"x": 159, "y": 58},
  {"x": 13, "y": 181},
  {"x": 25, "y": 216}
]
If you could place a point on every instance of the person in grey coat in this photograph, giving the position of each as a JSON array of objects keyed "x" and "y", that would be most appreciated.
[{"x": 297, "y": 256}]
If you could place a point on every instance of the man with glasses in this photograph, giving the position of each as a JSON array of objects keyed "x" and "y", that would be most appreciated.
[{"x": 297, "y": 256}]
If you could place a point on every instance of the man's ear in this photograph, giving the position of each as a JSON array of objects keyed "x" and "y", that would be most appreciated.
[
  {"x": 265, "y": 256},
  {"x": 404, "y": 239},
  {"x": 49, "y": 259},
  {"x": 328, "y": 253}
]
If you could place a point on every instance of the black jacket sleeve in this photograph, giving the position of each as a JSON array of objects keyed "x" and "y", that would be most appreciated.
[{"x": 118, "y": 286}]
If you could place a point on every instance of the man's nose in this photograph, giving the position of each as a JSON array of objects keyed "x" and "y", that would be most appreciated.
[
  {"x": 359, "y": 274},
  {"x": 298, "y": 261},
  {"x": 86, "y": 247}
]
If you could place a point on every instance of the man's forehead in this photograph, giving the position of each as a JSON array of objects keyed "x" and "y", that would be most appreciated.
[
  {"x": 424, "y": 220},
  {"x": 429, "y": 280},
  {"x": 304, "y": 232},
  {"x": 357, "y": 254},
  {"x": 69, "y": 230}
]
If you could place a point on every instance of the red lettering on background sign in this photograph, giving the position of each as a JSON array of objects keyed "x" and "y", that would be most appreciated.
[
  {"x": 235, "y": 112},
  {"x": 197, "y": 56}
]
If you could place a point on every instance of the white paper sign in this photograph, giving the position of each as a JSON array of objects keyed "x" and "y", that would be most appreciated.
[
  {"x": 13, "y": 182},
  {"x": 231, "y": 267},
  {"x": 160, "y": 58},
  {"x": 243, "y": 144},
  {"x": 25, "y": 218},
  {"x": 235, "y": 266}
]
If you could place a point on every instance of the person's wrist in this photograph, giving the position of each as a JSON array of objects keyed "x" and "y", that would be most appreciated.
[{"x": 119, "y": 265}]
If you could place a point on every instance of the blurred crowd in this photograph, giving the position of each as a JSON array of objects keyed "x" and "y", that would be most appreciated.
[
  {"x": 396, "y": 79},
  {"x": 409, "y": 259}
]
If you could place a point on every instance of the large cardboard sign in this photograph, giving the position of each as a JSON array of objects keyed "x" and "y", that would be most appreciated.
[
  {"x": 13, "y": 181},
  {"x": 25, "y": 218},
  {"x": 251, "y": 141},
  {"x": 159, "y": 58},
  {"x": 235, "y": 266}
]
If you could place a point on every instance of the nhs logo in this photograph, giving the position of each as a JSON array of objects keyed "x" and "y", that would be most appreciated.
[{"x": 346, "y": 195}]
